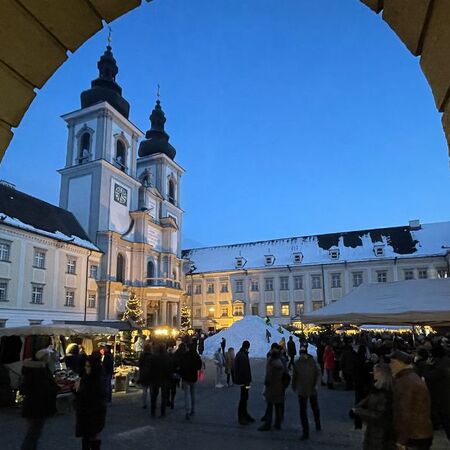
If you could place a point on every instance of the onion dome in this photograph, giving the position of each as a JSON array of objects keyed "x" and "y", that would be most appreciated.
[
  {"x": 105, "y": 88},
  {"x": 156, "y": 139}
]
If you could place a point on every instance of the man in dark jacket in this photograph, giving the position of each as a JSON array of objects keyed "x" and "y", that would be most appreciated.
[
  {"x": 39, "y": 390},
  {"x": 145, "y": 364},
  {"x": 243, "y": 377},
  {"x": 189, "y": 365},
  {"x": 160, "y": 375},
  {"x": 108, "y": 370},
  {"x": 305, "y": 380},
  {"x": 411, "y": 404},
  {"x": 291, "y": 351}
]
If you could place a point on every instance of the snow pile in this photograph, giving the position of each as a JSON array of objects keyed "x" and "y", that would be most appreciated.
[{"x": 252, "y": 329}]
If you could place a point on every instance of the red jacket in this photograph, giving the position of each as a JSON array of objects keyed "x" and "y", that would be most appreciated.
[{"x": 328, "y": 358}]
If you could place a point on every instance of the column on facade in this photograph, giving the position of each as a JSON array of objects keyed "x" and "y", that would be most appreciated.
[
  {"x": 276, "y": 295},
  {"x": 169, "y": 314},
  {"x": 163, "y": 309},
  {"x": 262, "y": 302},
  {"x": 178, "y": 306},
  {"x": 291, "y": 295}
]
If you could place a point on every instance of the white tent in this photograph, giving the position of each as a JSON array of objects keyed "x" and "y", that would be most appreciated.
[
  {"x": 402, "y": 302},
  {"x": 57, "y": 330}
]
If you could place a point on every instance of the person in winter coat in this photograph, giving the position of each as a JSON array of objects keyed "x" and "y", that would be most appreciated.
[
  {"x": 347, "y": 363},
  {"x": 39, "y": 403},
  {"x": 410, "y": 405},
  {"x": 229, "y": 364},
  {"x": 376, "y": 411},
  {"x": 145, "y": 364},
  {"x": 160, "y": 376},
  {"x": 305, "y": 379},
  {"x": 362, "y": 379},
  {"x": 219, "y": 361},
  {"x": 108, "y": 370},
  {"x": 291, "y": 351},
  {"x": 223, "y": 343},
  {"x": 243, "y": 377},
  {"x": 190, "y": 364},
  {"x": 329, "y": 363},
  {"x": 274, "y": 390},
  {"x": 438, "y": 381},
  {"x": 90, "y": 404}
]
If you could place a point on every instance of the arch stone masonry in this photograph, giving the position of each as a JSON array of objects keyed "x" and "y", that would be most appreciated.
[{"x": 35, "y": 36}]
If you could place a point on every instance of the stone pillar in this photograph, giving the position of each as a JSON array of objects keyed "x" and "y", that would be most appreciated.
[
  {"x": 178, "y": 315},
  {"x": 163, "y": 309}
]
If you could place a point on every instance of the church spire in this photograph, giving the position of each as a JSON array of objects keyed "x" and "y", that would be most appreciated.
[
  {"x": 157, "y": 140},
  {"x": 105, "y": 87}
]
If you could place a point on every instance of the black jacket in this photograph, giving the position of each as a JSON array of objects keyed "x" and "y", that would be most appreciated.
[
  {"x": 145, "y": 363},
  {"x": 39, "y": 389},
  {"x": 291, "y": 349},
  {"x": 242, "y": 371},
  {"x": 90, "y": 406},
  {"x": 160, "y": 369},
  {"x": 190, "y": 364}
]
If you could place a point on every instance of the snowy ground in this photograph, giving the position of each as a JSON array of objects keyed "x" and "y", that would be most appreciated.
[{"x": 252, "y": 329}]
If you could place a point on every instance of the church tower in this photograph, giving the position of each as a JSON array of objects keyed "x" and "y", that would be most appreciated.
[{"x": 127, "y": 201}]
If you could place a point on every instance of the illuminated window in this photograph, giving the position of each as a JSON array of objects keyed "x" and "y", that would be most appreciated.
[
  {"x": 285, "y": 309},
  {"x": 299, "y": 308},
  {"x": 238, "y": 309},
  {"x": 317, "y": 305},
  {"x": 210, "y": 312},
  {"x": 269, "y": 309},
  {"x": 224, "y": 311}
]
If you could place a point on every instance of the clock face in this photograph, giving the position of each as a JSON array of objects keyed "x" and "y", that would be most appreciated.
[{"x": 120, "y": 195}]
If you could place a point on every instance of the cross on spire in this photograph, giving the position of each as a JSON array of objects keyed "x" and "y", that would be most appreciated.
[
  {"x": 109, "y": 36},
  {"x": 158, "y": 94}
]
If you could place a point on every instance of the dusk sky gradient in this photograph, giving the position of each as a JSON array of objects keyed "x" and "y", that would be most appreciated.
[{"x": 291, "y": 117}]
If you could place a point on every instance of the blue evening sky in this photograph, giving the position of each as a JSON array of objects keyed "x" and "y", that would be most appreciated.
[{"x": 291, "y": 117}]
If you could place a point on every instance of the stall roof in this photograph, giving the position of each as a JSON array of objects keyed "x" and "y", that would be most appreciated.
[
  {"x": 119, "y": 325},
  {"x": 400, "y": 302},
  {"x": 57, "y": 329}
]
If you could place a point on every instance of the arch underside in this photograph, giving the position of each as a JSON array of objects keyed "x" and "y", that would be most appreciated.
[{"x": 36, "y": 36}]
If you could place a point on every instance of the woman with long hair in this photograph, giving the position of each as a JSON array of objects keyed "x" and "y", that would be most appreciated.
[
  {"x": 376, "y": 411},
  {"x": 90, "y": 403}
]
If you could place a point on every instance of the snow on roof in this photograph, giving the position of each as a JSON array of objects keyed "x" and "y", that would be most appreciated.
[
  {"x": 400, "y": 242},
  {"x": 252, "y": 329},
  {"x": 28, "y": 213}
]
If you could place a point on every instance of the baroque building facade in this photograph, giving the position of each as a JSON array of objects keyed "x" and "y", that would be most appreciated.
[{"x": 285, "y": 278}]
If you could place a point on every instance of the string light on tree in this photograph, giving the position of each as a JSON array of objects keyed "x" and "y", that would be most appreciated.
[{"x": 133, "y": 310}]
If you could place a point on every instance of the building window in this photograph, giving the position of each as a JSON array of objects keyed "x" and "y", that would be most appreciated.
[
  {"x": 93, "y": 271},
  {"x": 316, "y": 281},
  {"x": 298, "y": 283},
  {"x": 121, "y": 157},
  {"x": 255, "y": 309},
  {"x": 299, "y": 308},
  {"x": 198, "y": 289},
  {"x": 268, "y": 284},
  {"x": 285, "y": 309},
  {"x": 3, "y": 323},
  {"x": 198, "y": 312},
  {"x": 254, "y": 286},
  {"x": 224, "y": 287},
  {"x": 269, "y": 309},
  {"x": 284, "y": 283},
  {"x": 189, "y": 289},
  {"x": 4, "y": 251},
  {"x": 239, "y": 286},
  {"x": 91, "y": 300},
  {"x": 317, "y": 305},
  {"x": 382, "y": 276},
  {"x": 334, "y": 253},
  {"x": 298, "y": 256},
  {"x": 238, "y": 309},
  {"x": 210, "y": 288},
  {"x": 35, "y": 321},
  {"x": 120, "y": 268},
  {"x": 442, "y": 273},
  {"x": 3, "y": 290},
  {"x": 172, "y": 192},
  {"x": 37, "y": 294},
  {"x": 269, "y": 260},
  {"x": 39, "y": 258},
  {"x": 240, "y": 262},
  {"x": 85, "y": 146},
  {"x": 379, "y": 250},
  {"x": 71, "y": 266},
  {"x": 70, "y": 298},
  {"x": 423, "y": 274},
  {"x": 335, "y": 280},
  {"x": 409, "y": 274},
  {"x": 357, "y": 278},
  {"x": 224, "y": 311}
]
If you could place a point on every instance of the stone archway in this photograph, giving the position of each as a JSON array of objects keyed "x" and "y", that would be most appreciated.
[{"x": 35, "y": 37}]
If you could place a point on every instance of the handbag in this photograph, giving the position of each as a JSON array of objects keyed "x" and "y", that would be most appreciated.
[{"x": 201, "y": 375}]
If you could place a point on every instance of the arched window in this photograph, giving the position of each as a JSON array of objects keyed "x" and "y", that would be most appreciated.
[
  {"x": 150, "y": 273},
  {"x": 120, "y": 271},
  {"x": 172, "y": 191},
  {"x": 121, "y": 155},
  {"x": 85, "y": 148}
]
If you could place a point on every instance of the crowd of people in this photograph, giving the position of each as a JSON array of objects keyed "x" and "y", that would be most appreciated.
[{"x": 401, "y": 385}]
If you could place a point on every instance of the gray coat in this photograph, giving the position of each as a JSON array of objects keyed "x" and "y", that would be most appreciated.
[
  {"x": 274, "y": 390},
  {"x": 306, "y": 377}
]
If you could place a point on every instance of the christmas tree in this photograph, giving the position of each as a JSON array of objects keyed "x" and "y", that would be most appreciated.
[
  {"x": 133, "y": 310},
  {"x": 185, "y": 317}
]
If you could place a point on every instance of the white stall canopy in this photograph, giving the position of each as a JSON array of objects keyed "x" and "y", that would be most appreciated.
[
  {"x": 422, "y": 302},
  {"x": 57, "y": 330}
]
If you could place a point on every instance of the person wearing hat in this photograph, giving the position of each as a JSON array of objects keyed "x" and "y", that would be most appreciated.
[
  {"x": 39, "y": 390},
  {"x": 305, "y": 379},
  {"x": 411, "y": 404}
]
